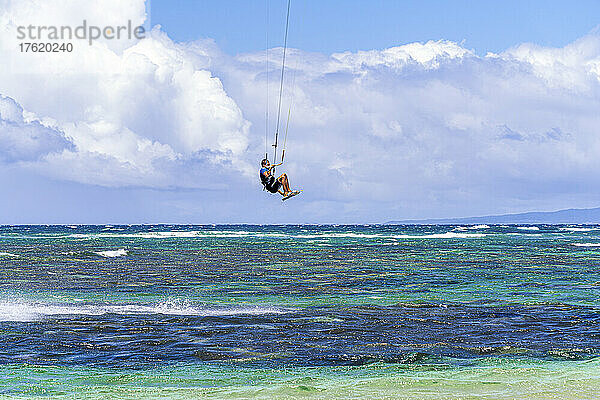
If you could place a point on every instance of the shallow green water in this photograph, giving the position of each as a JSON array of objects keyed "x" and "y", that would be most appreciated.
[{"x": 484, "y": 379}]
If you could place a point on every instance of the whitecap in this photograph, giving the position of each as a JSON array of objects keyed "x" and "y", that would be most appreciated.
[
  {"x": 247, "y": 234},
  {"x": 347, "y": 235},
  {"x": 528, "y": 228},
  {"x": 586, "y": 244},
  {"x": 224, "y": 234},
  {"x": 26, "y": 311},
  {"x": 447, "y": 235},
  {"x": 471, "y": 227},
  {"x": 8, "y": 254},
  {"x": 185, "y": 234},
  {"x": 112, "y": 253},
  {"x": 579, "y": 229},
  {"x": 483, "y": 226}
]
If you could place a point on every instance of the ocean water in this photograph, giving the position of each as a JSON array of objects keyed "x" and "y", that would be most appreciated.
[{"x": 239, "y": 311}]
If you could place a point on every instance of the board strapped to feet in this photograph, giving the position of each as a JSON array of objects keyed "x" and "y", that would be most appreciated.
[{"x": 289, "y": 196}]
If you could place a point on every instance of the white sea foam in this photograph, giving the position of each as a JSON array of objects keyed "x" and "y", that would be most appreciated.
[
  {"x": 483, "y": 226},
  {"x": 112, "y": 253},
  {"x": 249, "y": 234},
  {"x": 234, "y": 234},
  {"x": 586, "y": 244},
  {"x": 447, "y": 235},
  {"x": 579, "y": 229},
  {"x": 528, "y": 228},
  {"x": 225, "y": 234},
  {"x": 181, "y": 234},
  {"x": 471, "y": 227},
  {"x": 344, "y": 235},
  {"x": 27, "y": 311},
  {"x": 8, "y": 254}
]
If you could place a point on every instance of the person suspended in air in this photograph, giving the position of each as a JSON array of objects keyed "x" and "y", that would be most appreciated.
[{"x": 279, "y": 185}]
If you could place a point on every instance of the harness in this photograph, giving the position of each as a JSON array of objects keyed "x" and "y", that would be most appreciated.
[{"x": 265, "y": 180}]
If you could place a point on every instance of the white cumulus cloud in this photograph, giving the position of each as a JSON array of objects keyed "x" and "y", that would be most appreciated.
[
  {"x": 23, "y": 140},
  {"x": 136, "y": 112}
]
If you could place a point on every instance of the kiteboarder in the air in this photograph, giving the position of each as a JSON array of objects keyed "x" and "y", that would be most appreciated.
[{"x": 279, "y": 185}]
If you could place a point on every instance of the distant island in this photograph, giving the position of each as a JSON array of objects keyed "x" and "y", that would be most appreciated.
[{"x": 570, "y": 216}]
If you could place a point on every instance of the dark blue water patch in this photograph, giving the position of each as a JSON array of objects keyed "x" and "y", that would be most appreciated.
[{"x": 314, "y": 336}]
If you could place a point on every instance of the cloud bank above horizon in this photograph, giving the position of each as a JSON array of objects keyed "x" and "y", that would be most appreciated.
[{"x": 419, "y": 129}]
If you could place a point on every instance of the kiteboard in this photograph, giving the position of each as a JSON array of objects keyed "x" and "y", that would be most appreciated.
[{"x": 289, "y": 196}]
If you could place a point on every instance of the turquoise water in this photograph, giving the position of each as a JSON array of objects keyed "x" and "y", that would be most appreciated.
[{"x": 300, "y": 311}]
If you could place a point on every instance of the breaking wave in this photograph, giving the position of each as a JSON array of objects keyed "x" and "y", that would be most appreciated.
[
  {"x": 447, "y": 235},
  {"x": 572, "y": 229},
  {"x": 242, "y": 234},
  {"x": 31, "y": 311},
  {"x": 483, "y": 226},
  {"x": 112, "y": 253},
  {"x": 471, "y": 227}
]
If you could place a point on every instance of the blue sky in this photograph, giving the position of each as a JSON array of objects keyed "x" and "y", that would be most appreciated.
[
  {"x": 330, "y": 26},
  {"x": 398, "y": 111}
]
